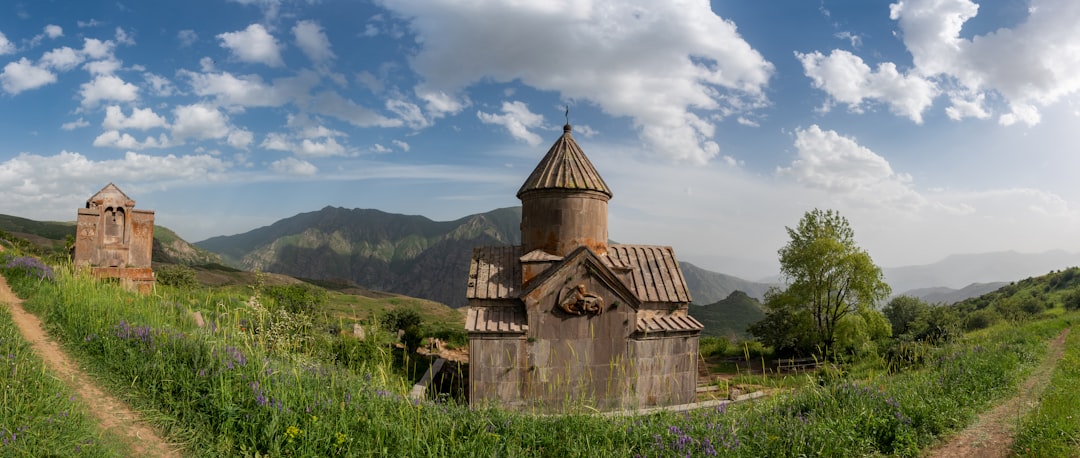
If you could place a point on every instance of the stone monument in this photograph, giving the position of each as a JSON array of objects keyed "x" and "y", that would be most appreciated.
[{"x": 116, "y": 240}]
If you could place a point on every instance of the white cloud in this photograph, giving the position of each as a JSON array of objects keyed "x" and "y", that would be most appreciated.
[
  {"x": 837, "y": 164},
  {"x": 159, "y": 85},
  {"x": 141, "y": 119},
  {"x": 313, "y": 42},
  {"x": 115, "y": 139},
  {"x": 240, "y": 138},
  {"x": 187, "y": 37},
  {"x": 97, "y": 49},
  {"x": 107, "y": 88},
  {"x": 123, "y": 38},
  {"x": 408, "y": 112},
  {"x": 330, "y": 103},
  {"x": 277, "y": 141},
  {"x": 326, "y": 148},
  {"x": 1028, "y": 66},
  {"x": 102, "y": 67},
  {"x": 54, "y": 31},
  {"x": 253, "y": 44},
  {"x": 62, "y": 59},
  {"x": 6, "y": 47},
  {"x": 22, "y": 75},
  {"x": 606, "y": 52},
  {"x": 847, "y": 79},
  {"x": 401, "y": 145},
  {"x": 53, "y": 187},
  {"x": 199, "y": 122},
  {"x": 249, "y": 90},
  {"x": 517, "y": 119},
  {"x": 76, "y": 124},
  {"x": 294, "y": 166}
]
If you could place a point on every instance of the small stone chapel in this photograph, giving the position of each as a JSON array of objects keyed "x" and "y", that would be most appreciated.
[
  {"x": 566, "y": 320},
  {"x": 115, "y": 239}
]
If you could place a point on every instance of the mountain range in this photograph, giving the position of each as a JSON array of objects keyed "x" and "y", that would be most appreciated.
[{"x": 416, "y": 256}]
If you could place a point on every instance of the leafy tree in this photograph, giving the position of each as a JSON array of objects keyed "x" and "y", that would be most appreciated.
[
  {"x": 908, "y": 315},
  {"x": 829, "y": 277}
]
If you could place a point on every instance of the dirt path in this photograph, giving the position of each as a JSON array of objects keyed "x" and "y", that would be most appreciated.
[
  {"x": 113, "y": 415},
  {"x": 992, "y": 433}
]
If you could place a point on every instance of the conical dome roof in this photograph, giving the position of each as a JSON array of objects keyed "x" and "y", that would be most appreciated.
[{"x": 565, "y": 167}]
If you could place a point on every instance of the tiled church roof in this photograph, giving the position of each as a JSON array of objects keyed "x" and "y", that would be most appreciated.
[
  {"x": 655, "y": 276},
  {"x": 565, "y": 167}
]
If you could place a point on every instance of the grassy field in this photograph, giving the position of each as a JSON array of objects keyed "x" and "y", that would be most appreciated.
[
  {"x": 38, "y": 413},
  {"x": 257, "y": 380}
]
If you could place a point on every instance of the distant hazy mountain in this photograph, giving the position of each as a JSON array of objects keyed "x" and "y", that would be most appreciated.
[
  {"x": 404, "y": 254},
  {"x": 947, "y": 296},
  {"x": 730, "y": 316},
  {"x": 707, "y": 287},
  {"x": 959, "y": 271}
]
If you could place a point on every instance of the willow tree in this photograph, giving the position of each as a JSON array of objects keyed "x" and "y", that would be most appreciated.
[{"x": 828, "y": 276}]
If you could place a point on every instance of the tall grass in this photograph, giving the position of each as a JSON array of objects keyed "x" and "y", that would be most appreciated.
[
  {"x": 39, "y": 416},
  {"x": 226, "y": 390},
  {"x": 1052, "y": 429}
]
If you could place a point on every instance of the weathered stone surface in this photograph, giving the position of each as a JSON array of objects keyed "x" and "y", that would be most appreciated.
[
  {"x": 115, "y": 239},
  {"x": 564, "y": 320}
]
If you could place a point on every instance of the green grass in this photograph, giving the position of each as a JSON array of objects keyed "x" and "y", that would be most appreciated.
[
  {"x": 227, "y": 390},
  {"x": 1052, "y": 429},
  {"x": 39, "y": 415}
]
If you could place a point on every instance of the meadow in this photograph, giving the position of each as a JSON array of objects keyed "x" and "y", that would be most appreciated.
[{"x": 260, "y": 380}]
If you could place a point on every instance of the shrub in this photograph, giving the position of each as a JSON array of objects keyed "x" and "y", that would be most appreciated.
[
  {"x": 297, "y": 298},
  {"x": 178, "y": 276},
  {"x": 981, "y": 319}
]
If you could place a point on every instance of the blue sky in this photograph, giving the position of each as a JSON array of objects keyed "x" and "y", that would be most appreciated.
[{"x": 935, "y": 126}]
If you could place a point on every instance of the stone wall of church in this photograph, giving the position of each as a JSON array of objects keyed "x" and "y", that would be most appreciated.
[{"x": 665, "y": 368}]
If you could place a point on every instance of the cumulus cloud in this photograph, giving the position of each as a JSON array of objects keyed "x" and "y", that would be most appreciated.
[
  {"x": 62, "y": 59},
  {"x": 839, "y": 165},
  {"x": 517, "y": 119},
  {"x": 313, "y": 42},
  {"x": 401, "y": 145},
  {"x": 847, "y": 79},
  {"x": 1028, "y": 66},
  {"x": 254, "y": 45},
  {"x": 22, "y": 75},
  {"x": 240, "y": 138},
  {"x": 6, "y": 47},
  {"x": 199, "y": 122},
  {"x": 52, "y": 186},
  {"x": 294, "y": 166},
  {"x": 97, "y": 49},
  {"x": 605, "y": 52},
  {"x": 116, "y": 139},
  {"x": 54, "y": 31},
  {"x": 108, "y": 88},
  {"x": 141, "y": 119}
]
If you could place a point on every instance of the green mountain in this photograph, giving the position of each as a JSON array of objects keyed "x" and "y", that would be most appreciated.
[
  {"x": 404, "y": 254},
  {"x": 707, "y": 287},
  {"x": 730, "y": 316}
]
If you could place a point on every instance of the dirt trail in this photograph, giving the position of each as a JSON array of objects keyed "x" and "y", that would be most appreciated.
[
  {"x": 113, "y": 415},
  {"x": 993, "y": 432}
]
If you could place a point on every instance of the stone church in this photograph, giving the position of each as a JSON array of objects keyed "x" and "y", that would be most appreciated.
[
  {"x": 115, "y": 239},
  {"x": 567, "y": 320}
]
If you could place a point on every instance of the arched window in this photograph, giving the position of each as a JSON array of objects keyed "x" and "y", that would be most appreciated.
[{"x": 114, "y": 225}]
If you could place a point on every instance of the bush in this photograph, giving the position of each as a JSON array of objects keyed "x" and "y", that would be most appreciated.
[
  {"x": 297, "y": 298},
  {"x": 981, "y": 319},
  {"x": 178, "y": 276}
]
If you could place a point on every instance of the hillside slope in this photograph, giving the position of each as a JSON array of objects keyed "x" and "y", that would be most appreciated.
[
  {"x": 404, "y": 254},
  {"x": 729, "y": 317}
]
